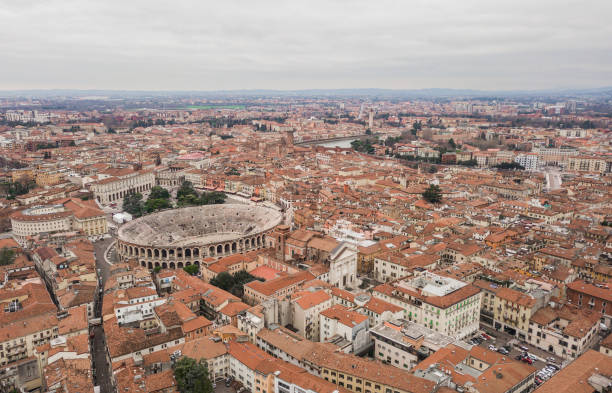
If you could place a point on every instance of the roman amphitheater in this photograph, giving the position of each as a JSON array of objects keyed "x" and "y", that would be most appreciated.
[{"x": 182, "y": 237}]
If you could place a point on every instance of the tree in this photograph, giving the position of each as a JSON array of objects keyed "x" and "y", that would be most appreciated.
[
  {"x": 212, "y": 198},
  {"x": 509, "y": 165},
  {"x": 416, "y": 126},
  {"x": 133, "y": 204},
  {"x": 433, "y": 194},
  {"x": 223, "y": 280},
  {"x": 192, "y": 269},
  {"x": 233, "y": 283},
  {"x": 452, "y": 144},
  {"x": 152, "y": 205},
  {"x": 368, "y": 131},
  {"x": 7, "y": 256},
  {"x": 158, "y": 192},
  {"x": 192, "y": 376}
]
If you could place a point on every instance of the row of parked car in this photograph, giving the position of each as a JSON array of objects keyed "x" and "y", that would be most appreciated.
[
  {"x": 546, "y": 373},
  {"x": 479, "y": 338}
]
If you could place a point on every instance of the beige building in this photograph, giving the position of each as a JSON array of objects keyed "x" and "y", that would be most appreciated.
[
  {"x": 116, "y": 183},
  {"x": 567, "y": 331},
  {"x": 512, "y": 311},
  {"x": 587, "y": 164},
  {"x": 67, "y": 215},
  {"x": 306, "y": 311}
]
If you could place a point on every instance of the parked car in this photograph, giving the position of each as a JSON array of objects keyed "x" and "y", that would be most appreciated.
[
  {"x": 524, "y": 348},
  {"x": 527, "y": 360},
  {"x": 503, "y": 351},
  {"x": 485, "y": 336},
  {"x": 492, "y": 348}
]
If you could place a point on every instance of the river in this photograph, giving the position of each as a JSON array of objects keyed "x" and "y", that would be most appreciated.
[{"x": 345, "y": 143}]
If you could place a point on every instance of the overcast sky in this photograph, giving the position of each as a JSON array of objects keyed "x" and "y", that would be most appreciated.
[{"x": 285, "y": 44}]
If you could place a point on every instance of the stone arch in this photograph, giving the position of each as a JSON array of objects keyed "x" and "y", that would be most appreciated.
[
  {"x": 172, "y": 265},
  {"x": 227, "y": 248},
  {"x": 164, "y": 265},
  {"x": 234, "y": 247},
  {"x": 157, "y": 264},
  {"x": 247, "y": 243},
  {"x": 156, "y": 253},
  {"x": 150, "y": 265},
  {"x": 179, "y": 265},
  {"x": 196, "y": 252},
  {"x": 211, "y": 250},
  {"x": 197, "y": 263},
  {"x": 188, "y": 253},
  {"x": 219, "y": 249},
  {"x": 187, "y": 263},
  {"x": 149, "y": 253},
  {"x": 143, "y": 264},
  {"x": 164, "y": 253},
  {"x": 142, "y": 252},
  {"x": 179, "y": 252}
]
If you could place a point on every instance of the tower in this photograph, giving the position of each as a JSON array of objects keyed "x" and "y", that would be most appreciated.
[{"x": 371, "y": 119}]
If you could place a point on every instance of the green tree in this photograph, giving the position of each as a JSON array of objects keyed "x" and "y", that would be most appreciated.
[
  {"x": 433, "y": 194},
  {"x": 452, "y": 144},
  {"x": 212, "y": 198},
  {"x": 7, "y": 256},
  {"x": 223, "y": 280},
  {"x": 158, "y": 192},
  {"x": 152, "y": 205},
  {"x": 509, "y": 165},
  {"x": 192, "y": 376},
  {"x": 192, "y": 269},
  {"x": 133, "y": 204},
  {"x": 233, "y": 283}
]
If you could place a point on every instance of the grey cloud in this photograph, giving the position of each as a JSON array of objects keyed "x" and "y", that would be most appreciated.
[{"x": 207, "y": 45}]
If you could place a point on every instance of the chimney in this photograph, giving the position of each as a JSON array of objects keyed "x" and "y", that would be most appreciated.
[{"x": 346, "y": 188}]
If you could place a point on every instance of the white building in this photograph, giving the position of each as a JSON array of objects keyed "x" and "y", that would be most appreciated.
[
  {"x": 343, "y": 266},
  {"x": 529, "y": 161},
  {"x": 116, "y": 183},
  {"x": 338, "y": 324},
  {"x": 446, "y": 305},
  {"x": 403, "y": 344}
]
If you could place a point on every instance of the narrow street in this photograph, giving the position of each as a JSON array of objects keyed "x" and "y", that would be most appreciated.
[{"x": 102, "y": 376}]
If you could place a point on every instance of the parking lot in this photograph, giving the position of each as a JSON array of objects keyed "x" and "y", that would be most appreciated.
[
  {"x": 221, "y": 388},
  {"x": 500, "y": 339}
]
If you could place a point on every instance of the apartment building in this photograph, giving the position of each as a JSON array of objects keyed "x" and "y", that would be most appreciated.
[
  {"x": 446, "y": 305},
  {"x": 596, "y": 297},
  {"x": 306, "y": 310},
  {"x": 403, "y": 344},
  {"x": 345, "y": 328},
  {"x": 565, "y": 331},
  {"x": 512, "y": 311},
  {"x": 363, "y": 376},
  {"x": 393, "y": 265},
  {"x": 588, "y": 164},
  {"x": 256, "y": 292}
]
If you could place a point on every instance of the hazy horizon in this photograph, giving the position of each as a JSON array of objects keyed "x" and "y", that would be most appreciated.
[{"x": 321, "y": 45}]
